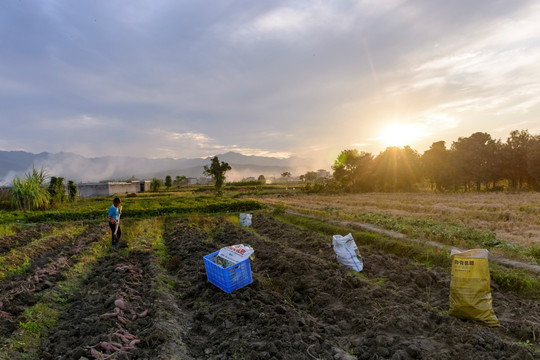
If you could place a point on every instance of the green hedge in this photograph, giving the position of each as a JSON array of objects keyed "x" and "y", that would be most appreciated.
[{"x": 135, "y": 212}]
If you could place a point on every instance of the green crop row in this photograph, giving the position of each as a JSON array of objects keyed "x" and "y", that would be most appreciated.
[
  {"x": 134, "y": 208},
  {"x": 439, "y": 231}
]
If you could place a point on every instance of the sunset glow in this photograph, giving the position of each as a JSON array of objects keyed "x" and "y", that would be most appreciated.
[{"x": 398, "y": 135}]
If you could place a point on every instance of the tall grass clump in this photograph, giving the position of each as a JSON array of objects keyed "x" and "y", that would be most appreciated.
[
  {"x": 534, "y": 252},
  {"x": 29, "y": 193}
]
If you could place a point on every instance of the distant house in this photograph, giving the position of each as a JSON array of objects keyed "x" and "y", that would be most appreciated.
[
  {"x": 144, "y": 185},
  {"x": 108, "y": 188}
]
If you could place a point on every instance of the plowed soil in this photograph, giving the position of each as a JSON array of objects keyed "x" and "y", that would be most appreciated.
[{"x": 300, "y": 305}]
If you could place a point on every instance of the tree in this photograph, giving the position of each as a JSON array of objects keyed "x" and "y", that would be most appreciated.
[
  {"x": 286, "y": 175},
  {"x": 72, "y": 190},
  {"x": 514, "y": 158},
  {"x": 397, "y": 169},
  {"x": 437, "y": 165},
  {"x": 476, "y": 158},
  {"x": 310, "y": 176},
  {"x": 155, "y": 185},
  {"x": 180, "y": 180},
  {"x": 533, "y": 160},
  {"x": 261, "y": 179},
  {"x": 56, "y": 190},
  {"x": 354, "y": 170},
  {"x": 168, "y": 181},
  {"x": 217, "y": 171}
]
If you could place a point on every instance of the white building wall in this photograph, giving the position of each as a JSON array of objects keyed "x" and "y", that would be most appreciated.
[{"x": 107, "y": 189}]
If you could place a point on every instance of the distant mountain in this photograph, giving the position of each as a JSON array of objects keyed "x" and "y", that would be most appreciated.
[{"x": 81, "y": 169}]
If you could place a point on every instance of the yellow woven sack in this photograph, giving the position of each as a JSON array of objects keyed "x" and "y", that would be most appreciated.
[{"x": 470, "y": 291}]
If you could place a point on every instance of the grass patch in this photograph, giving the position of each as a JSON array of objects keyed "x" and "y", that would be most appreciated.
[
  {"x": 146, "y": 234},
  {"x": 443, "y": 232},
  {"x": 134, "y": 208},
  {"x": 8, "y": 230},
  {"x": 378, "y": 281},
  {"x": 515, "y": 280},
  {"x": 38, "y": 319},
  {"x": 534, "y": 252}
]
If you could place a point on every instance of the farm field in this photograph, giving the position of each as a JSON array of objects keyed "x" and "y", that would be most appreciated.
[
  {"x": 65, "y": 294},
  {"x": 503, "y": 220}
]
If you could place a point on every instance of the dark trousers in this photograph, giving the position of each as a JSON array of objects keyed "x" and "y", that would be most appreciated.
[{"x": 116, "y": 238}]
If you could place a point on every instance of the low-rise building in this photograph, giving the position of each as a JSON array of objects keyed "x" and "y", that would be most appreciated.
[{"x": 108, "y": 188}]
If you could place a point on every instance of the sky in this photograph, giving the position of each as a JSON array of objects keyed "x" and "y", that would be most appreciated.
[{"x": 188, "y": 79}]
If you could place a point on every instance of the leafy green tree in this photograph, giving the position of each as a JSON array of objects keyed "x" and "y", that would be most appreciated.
[
  {"x": 56, "y": 190},
  {"x": 310, "y": 176},
  {"x": 438, "y": 167},
  {"x": 28, "y": 193},
  {"x": 72, "y": 190},
  {"x": 533, "y": 161},
  {"x": 168, "y": 181},
  {"x": 261, "y": 179},
  {"x": 353, "y": 170},
  {"x": 476, "y": 159},
  {"x": 180, "y": 180},
  {"x": 217, "y": 171},
  {"x": 156, "y": 184},
  {"x": 397, "y": 169},
  {"x": 514, "y": 158}
]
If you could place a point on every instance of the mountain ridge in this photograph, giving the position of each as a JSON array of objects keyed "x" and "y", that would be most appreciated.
[{"x": 78, "y": 168}]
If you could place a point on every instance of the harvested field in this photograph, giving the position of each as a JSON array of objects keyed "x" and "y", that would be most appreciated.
[
  {"x": 512, "y": 217},
  {"x": 151, "y": 300}
]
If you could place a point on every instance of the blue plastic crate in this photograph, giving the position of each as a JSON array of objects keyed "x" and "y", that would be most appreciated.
[{"x": 228, "y": 279}]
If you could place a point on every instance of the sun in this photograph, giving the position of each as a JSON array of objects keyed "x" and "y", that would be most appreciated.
[{"x": 399, "y": 135}]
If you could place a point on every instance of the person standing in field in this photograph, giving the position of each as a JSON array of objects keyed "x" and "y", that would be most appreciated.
[{"x": 114, "y": 221}]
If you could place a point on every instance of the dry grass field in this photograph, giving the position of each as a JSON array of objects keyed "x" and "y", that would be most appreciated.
[{"x": 511, "y": 217}]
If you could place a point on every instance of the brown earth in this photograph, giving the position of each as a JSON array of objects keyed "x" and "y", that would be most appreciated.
[
  {"x": 20, "y": 291},
  {"x": 301, "y": 305},
  {"x": 22, "y": 237}
]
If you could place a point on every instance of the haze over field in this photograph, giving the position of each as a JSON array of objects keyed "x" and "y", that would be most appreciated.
[{"x": 187, "y": 79}]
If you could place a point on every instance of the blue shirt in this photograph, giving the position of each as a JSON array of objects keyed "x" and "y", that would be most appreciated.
[{"x": 113, "y": 211}]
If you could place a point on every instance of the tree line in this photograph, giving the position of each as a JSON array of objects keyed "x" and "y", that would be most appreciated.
[{"x": 477, "y": 162}]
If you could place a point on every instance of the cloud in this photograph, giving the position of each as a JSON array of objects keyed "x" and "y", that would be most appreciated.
[
  {"x": 291, "y": 23},
  {"x": 197, "y": 138},
  {"x": 180, "y": 79},
  {"x": 82, "y": 122}
]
